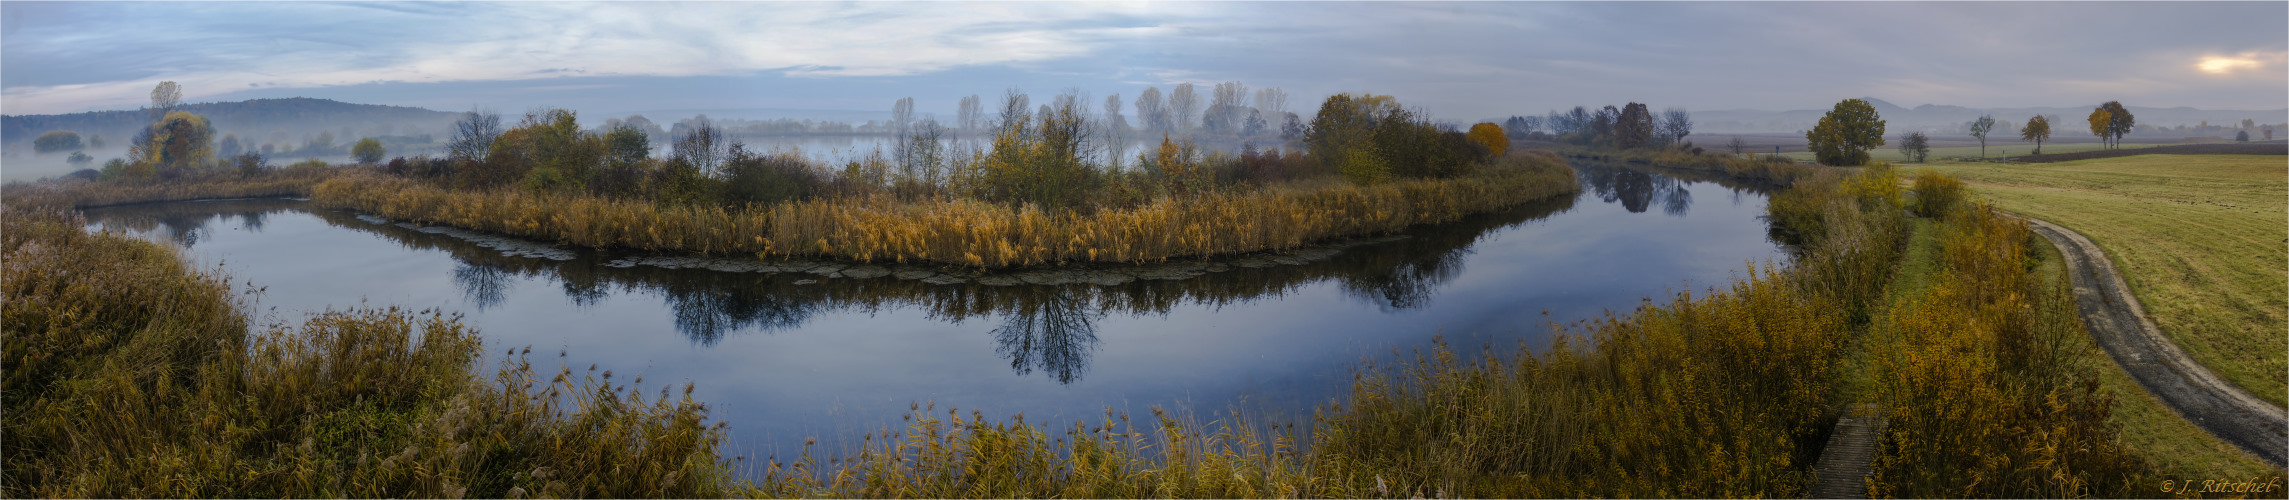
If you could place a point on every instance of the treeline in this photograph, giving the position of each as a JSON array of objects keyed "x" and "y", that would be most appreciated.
[
  {"x": 1052, "y": 157},
  {"x": 284, "y": 123},
  {"x": 1633, "y": 125},
  {"x": 1046, "y": 188}
]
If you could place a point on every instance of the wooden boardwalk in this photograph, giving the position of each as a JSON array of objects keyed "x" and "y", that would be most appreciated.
[{"x": 1843, "y": 468}]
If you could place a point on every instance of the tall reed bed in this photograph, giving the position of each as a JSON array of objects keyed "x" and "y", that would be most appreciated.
[
  {"x": 968, "y": 232},
  {"x": 71, "y": 193},
  {"x": 1986, "y": 398},
  {"x": 132, "y": 375}
]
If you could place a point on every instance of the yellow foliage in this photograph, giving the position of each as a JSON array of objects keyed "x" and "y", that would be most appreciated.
[{"x": 1491, "y": 136}]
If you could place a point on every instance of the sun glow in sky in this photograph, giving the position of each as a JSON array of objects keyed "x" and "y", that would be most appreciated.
[{"x": 2223, "y": 65}]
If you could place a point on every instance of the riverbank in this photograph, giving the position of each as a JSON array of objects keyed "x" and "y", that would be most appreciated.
[
  {"x": 131, "y": 374},
  {"x": 1987, "y": 378},
  {"x": 66, "y": 194}
]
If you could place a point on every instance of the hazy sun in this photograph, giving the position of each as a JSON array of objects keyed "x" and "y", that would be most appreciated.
[{"x": 2219, "y": 65}]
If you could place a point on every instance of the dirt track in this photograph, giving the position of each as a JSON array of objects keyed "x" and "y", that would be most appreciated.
[
  {"x": 2223, "y": 148},
  {"x": 2119, "y": 324}
]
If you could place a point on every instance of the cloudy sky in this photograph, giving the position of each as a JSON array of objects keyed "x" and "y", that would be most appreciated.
[{"x": 1457, "y": 60}]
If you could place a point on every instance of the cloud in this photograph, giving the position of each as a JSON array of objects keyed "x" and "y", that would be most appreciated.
[
  {"x": 514, "y": 41},
  {"x": 1460, "y": 60}
]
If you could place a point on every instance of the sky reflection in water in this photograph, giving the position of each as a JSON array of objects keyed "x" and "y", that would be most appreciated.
[{"x": 835, "y": 359}]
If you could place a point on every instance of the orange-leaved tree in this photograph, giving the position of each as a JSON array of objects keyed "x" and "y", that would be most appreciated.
[
  {"x": 2038, "y": 129},
  {"x": 1490, "y": 135}
]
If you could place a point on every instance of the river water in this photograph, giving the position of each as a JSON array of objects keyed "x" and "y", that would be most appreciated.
[{"x": 785, "y": 357}]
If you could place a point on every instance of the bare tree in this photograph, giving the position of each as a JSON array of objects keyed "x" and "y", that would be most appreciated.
[
  {"x": 1916, "y": 147},
  {"x": 1152, "y": 112},
  {"x": 1979, "y": 129},
  {"x": 1226, "y": 108},
  {"x": 1293, "y": 128},
  {"x": 1013, "y": 113},
  {"x": 1066, "y": 121},
  {"x": 971, "y": 111},
  {"x": 923, "y": 152},
  {"x": 701, "y": 146},
  {"x": 902, "y": 114},
  {"x": 1676, "y": 123},
  {"x": 473, "y": 134},
  {"x": 1116, "y": 131},
  {"x": 165, "y": 97},
  {"x": 1272, "y": 101},
  {"x": 1184, "y": 104},
  {"x": 1737, "y": 146}
]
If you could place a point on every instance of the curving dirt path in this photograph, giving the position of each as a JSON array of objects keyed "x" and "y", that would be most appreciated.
[{"x": 2119, "y": 323}]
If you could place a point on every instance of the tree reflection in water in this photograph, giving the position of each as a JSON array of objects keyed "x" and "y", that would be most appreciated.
[
  {"x": 1052, "y": 332},
  {"x": 482, "y": 285},
  {"x": 1049, "y": 329},
  {"x": 1637, "y": 190}
]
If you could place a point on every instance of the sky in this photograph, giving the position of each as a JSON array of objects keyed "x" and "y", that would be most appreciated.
[{"x": 1458, "y": 61}]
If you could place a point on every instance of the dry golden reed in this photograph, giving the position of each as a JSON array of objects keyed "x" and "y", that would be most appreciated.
[
  {"x": 131, "y": 375},
  {"x": 291, "y": 181},
  {"x": 883, "y": 228}
]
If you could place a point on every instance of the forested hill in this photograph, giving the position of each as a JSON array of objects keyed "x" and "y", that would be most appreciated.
[{"x": 257, "y": 119}]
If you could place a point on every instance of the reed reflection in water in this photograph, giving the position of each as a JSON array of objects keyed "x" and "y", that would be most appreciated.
[{"x": 787, "y": 356}]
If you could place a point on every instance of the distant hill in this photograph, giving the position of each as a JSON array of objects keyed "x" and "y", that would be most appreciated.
[
  {"x": 1948, "y": 119},
  {"x": 259, "y": 120}
]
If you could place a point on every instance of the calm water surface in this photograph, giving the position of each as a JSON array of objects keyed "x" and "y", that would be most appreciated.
[{"x": 782, "y": 361}]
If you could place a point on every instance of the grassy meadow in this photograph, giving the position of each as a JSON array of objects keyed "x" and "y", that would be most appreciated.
[
  {"x": 2199, "y": 238},
  {"x": 1996, "y": 147}
]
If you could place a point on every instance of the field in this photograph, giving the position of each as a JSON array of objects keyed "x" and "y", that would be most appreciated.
[
  {"x": 1890, "y": 151},
  {"x": 1792, "y": 145},
  {"x": 2199, "y": 239},
  {"x": 2177, "y": 447}
]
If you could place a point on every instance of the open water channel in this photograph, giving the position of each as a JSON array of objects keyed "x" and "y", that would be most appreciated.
[{"x": 791, "y": 355}]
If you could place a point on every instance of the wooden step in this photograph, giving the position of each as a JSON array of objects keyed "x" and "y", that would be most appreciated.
[{"x": 1843, "y": 468}]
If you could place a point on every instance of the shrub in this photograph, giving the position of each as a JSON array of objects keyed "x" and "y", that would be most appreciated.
[
  {"x": 768, "y": 178},
  {"x": 1936, "y": 194},
  {"x": 1490, "y": 136},
  {"x": 368, "y": 151},
  {"x": 1364, "y": 166},
  {"x": 56, "y": 141},
  {"x": 679, "y": 183}
]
